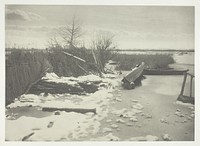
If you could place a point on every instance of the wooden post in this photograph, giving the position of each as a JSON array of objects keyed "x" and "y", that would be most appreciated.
[
  {"x": 183, "y": 85},
  {"x": 191, "y": 85}
]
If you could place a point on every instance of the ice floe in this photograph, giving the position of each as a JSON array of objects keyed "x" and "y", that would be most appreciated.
[
  {"x": 133, "y": 119},
  {"x": 120, "y": 121},
  {"x": 105, "y": 130},
  {"x": 137, "y": 106},
  {"x": 163, "y": 120},
  {"x": 179, "y": 114},
  {"x": 114, "y": 126}
]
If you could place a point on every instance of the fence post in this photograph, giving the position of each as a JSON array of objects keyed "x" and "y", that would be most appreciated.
[
  {"x": 183, "y": 85},
  {"x": 191, "y": 80}
]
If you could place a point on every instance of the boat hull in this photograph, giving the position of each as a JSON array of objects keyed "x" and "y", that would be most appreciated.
[
  {"x": 134, "y": 77},
  {"x": 163, "y": 72}
]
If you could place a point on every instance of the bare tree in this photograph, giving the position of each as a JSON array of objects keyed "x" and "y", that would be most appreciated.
[
  {"x": 102, "y": 47},
  {"x": 53, "y": 42},
  {"x": 71, "y": 33}
]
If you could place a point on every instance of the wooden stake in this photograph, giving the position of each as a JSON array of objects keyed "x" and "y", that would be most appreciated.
[
  {"x": 183, "y": 85},
  {"x": 191, "y": 79}
]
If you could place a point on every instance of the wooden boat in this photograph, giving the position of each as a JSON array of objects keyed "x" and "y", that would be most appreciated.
[
  {"x": 164, "y": 71},
  {"x": 133, "y": 77}
]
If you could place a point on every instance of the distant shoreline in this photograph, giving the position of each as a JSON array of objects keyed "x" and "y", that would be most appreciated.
[
  {"x": 118, "y": 50},
  {"x": 154, "y": 50}
]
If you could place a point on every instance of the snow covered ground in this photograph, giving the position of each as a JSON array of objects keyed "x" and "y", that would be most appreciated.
[
  {"x": 63, "y": 125},
  {"x": 147, "y": 113}
]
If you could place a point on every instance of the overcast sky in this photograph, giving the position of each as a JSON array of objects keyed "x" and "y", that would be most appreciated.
[{"x": 140, "y": 27}]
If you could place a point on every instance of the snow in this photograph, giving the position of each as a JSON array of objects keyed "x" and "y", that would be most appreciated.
[
  {"x": 78, "y": 126},
  {"x": 65, "y": 125},
  {"x": 26, "y": 100},
  {"x": 125, "y": 113},
  {"x": 146, "y": 138},
  {"x": 137, "y": 106},
  {"x": 178, "y": 113},
  {"x": 89, "y": 78},
  {"x": 52, "y": 77},
  {"x": 185, "y": 104},
  {"x": 133, "y": 119},
  {"x": 151, "y": 138},
  {"x": 105, "y": 130},
  {"x": 15, "y": 130},
  {"x": 110, "y": 75},
  {"x": 166, "y": 137},
  {"x": 114, "y": 126},
  {"x": 118, "y": 99},
  {"x": 120, "y": 121},
  {"x": 119, "y": 112},
  {"x": 163, "y": 120},
  {"x": 108, "y": 137},
  {"x": 95, "y": 100},
  {"x": 192, "y": 115}
]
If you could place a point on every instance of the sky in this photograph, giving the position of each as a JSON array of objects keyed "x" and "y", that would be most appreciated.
[{"x": 133, "y": 27}]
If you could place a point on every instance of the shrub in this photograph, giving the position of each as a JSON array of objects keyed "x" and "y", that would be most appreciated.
[{"x": 23, "y": 67}]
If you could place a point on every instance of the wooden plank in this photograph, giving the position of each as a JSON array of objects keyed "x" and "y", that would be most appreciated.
[
  {"x": 80, "y": 59},
  {"x": 190, "y": 74},
  {"x": 78, "y": 110}
]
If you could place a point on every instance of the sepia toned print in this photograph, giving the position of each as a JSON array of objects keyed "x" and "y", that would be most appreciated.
[{"x": 99, "y": 73}]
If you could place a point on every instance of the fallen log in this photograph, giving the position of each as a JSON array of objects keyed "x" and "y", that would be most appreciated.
[{"x": 78, "y": 110}]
